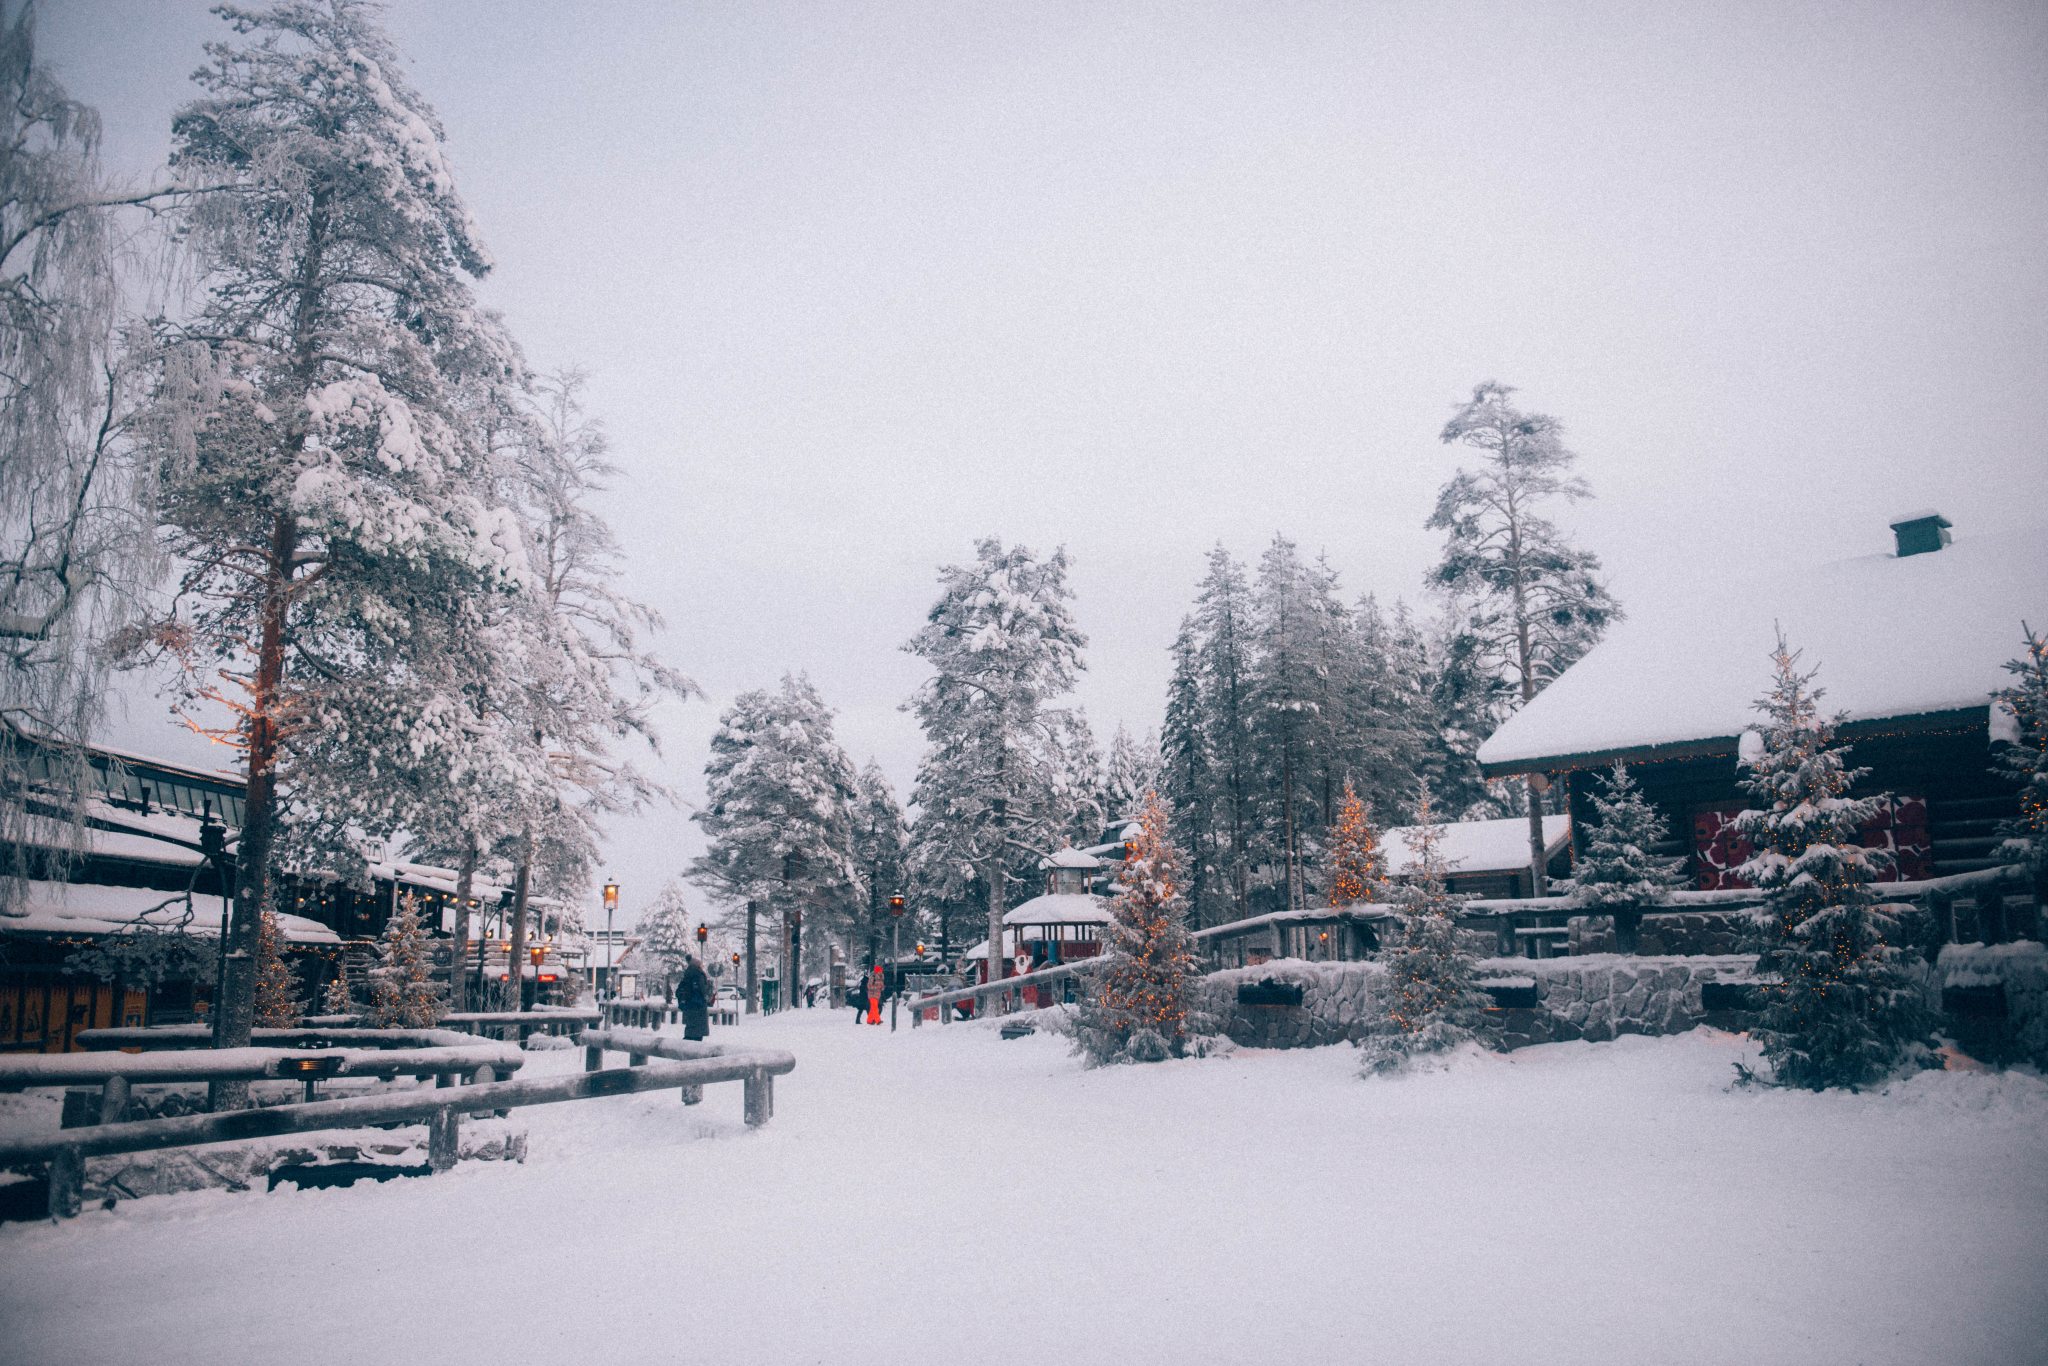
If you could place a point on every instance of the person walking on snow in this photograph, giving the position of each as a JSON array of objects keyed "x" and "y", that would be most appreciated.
[{"x": 693, "y": 998}]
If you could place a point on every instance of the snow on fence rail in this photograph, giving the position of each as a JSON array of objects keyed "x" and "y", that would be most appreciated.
[
  {"x": 918, "y": 1005},
  {"x": 440, "y": 1108},
  {"x": 200, "y": 1036},
  {"x": 639, "y": 1045}
]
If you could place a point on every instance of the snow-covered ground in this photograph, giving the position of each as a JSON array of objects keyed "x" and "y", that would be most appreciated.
[{"x": 945, "y": 1195}]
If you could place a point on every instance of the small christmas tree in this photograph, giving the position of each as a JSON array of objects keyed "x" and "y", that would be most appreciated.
[
  {"x": 2024, "y": 760},
  {"x": 1432, "y": 1005},
  {"x": 277, "y": 991},
  {"x": 1354, "y": 866},
  {"x": 1136, "y": 1009},
  {"x": 1617, "y": 875},
  {"x": 401, "y": 994},
  {"x": 1844, "y": 1005},
  {"x": 337, "y": 999}
]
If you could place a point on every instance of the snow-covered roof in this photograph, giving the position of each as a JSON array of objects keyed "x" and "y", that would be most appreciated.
[
  {"x": 1478, "y": 846},
  {"x": 1070, "y": 858},
  {"x": 1890, "y": 637},
  {"x": 981, "y": 950},
  {"x": 1060, "y": 908},
  {"x": 89, "y": 908}
]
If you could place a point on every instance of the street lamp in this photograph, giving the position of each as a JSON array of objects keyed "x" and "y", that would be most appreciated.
[
  {"x": 896, "y": 952},
  {"x": 611, "y": 905}
]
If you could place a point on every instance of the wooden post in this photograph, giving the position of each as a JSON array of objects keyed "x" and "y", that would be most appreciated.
[
  {"x": 636, "y": 1060},
  {"x": 593, "y": 1059},
  {"x": 444, "y": 1135},
  {"x": 760, "y": 1099},
  {"x": 692, "y": 1095},
  {"x": 67, "y": 1180},
  {"x": 113, "y": 1100},
  {"x": 483, "y": 1076}
]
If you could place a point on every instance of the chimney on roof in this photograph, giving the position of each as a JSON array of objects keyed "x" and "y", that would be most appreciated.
[{"x": 1920, "y": 532}]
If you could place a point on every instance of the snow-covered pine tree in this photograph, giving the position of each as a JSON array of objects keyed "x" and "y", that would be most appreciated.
[
  {"x": 1844, "y": 1007},
  {"x": 1003, "y": 647},
  {"x": 2023, "y": 759},
  {"x": 778, "y": 792},
  {"x": 667, "y": 938},
  {"x": 320, "y": 476},
  {"x": 1618, "y": 875},
  {"x": 881, "y": 850},
  {"x": 1432, "y": 1005},
  {"x": 402, "y": 992},
  {"x": 338, "y": 999},
  {"x": 1224, "y": 660},
  {"x": 1136, "y": 1006},
  {"x": 1293, "y": 606},
  {"x": 277, "y": 990},
  {"x": 1187, "y": 784},
  {"x": 1132, "y": 771},
  {"x": 1536, "y": 603},
  {"x": 1354, "y": 866}
]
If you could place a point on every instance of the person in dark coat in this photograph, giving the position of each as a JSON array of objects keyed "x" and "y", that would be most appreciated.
[{"x": 693, "y": 998}]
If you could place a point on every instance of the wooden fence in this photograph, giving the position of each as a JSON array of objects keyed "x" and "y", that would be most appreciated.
[
  {"x": 447, "y": 1056},
  {"x": 1009, "y": 992}
]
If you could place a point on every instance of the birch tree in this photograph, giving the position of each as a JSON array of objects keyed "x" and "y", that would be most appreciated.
[
  {"x": 1536, "y": 601},
  {"x": 75, "y": 542}
]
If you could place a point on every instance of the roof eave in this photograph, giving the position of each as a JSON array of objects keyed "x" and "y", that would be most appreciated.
[{"x": 1916, "y": 723}]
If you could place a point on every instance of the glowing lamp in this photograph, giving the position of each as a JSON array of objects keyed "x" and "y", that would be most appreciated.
[
  {"x": 312, "y": 1065},
  {"x": 611, "y": 896}
]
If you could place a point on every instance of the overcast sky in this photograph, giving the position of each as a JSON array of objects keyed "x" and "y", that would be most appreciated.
[{"x": 860, "y": 284}]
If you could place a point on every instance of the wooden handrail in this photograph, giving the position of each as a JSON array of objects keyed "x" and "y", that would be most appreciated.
[
  {"x": 441, "y": 1108},
  {"x": 249, "y": 1064}
]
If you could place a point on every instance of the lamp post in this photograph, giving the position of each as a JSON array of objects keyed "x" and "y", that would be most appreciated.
[
  {"x": 611, "y": 905},
  {"x": 895, "y": 952},
  {"x": 703, "y": 933}
]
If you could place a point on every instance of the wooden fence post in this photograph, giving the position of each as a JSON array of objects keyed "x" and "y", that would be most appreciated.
[
  {"x": 760, "y": 1099},
  {"x": 593, "y": 1059},
  {"x": 67, "y": 1182},
  {"x": 113, "y": 1100},
  {"x": 444, "y": 1140},
  {"x": 482, "y": 1076}
]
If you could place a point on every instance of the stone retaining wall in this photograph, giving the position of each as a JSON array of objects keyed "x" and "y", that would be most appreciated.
[
  {"x": 1337, "y": 1003},
  {"x": 1598, "y": 997},
  {"x": 1603, "y": 996},
  {"x": 2021, "y": 970}
]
